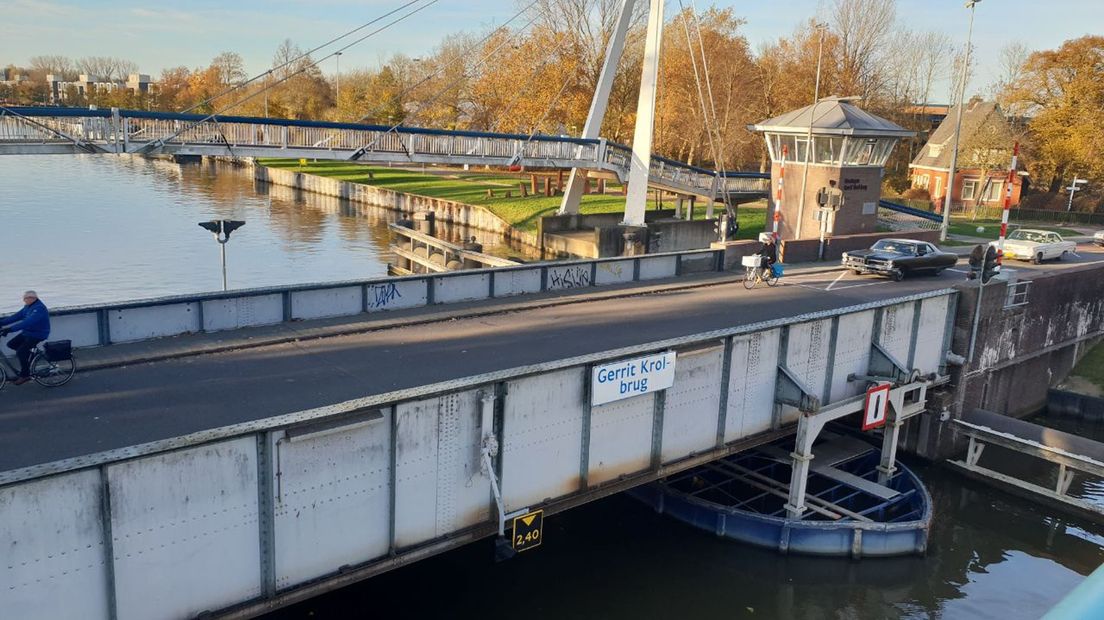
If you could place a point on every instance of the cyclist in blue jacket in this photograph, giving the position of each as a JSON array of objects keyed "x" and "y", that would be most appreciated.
[{"x": 33, "y": 323}]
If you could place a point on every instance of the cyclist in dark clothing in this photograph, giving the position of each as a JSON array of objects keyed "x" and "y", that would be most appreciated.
[
  {"x": 769, "y": 253},
  {"x": 33, "y": 323}
]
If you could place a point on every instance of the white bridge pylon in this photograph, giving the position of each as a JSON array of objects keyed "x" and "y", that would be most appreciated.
[{"x": 640, "y": 164}]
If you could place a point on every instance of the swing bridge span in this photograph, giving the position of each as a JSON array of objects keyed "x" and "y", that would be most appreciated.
[{"x": 54, "y": 130}]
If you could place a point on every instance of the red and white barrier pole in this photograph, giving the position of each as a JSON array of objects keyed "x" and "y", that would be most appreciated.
[
  {"x": 1007, "y": 203},
  {"x": 778, "y": 197}
]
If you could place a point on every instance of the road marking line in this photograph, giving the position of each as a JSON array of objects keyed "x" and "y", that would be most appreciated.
[
  {"x": 957, "y": 270},
  {"x": 842, "y": 273}
]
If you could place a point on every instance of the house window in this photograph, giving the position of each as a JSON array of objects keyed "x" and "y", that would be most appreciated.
[
  {"x": 938, "y": 186},
  {"x": 969, "y": 189},
  {"x": 993, "y": 191},
  {"x": 922, "y": 181}
]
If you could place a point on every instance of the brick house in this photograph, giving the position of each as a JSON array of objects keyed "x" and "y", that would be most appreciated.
[{"x": 985, "y": 151}]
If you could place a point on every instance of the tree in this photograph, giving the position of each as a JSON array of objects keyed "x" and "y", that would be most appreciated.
[
  {"x": 1065, "y": 88},
  {"x": 106, "y": 68},
  {"x": 61, "y": 66},
  {"x": 1011, "y": 62},
  {"x": 864, "y": 28},
  {"x": 230, "y": 67}
]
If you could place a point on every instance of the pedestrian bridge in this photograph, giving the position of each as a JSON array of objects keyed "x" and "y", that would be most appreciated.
[
  {"x": 52, "y": 130},
  {"x": 295, "y": 500}
]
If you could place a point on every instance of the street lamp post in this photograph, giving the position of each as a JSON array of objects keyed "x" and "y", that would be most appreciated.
[
  {"x": 808, "y": 152},
  {"x": 221, "y": 229},
  {"x": 337, "y": 56},
  {"x": 1075, "y": 185},
  {"x": 970, "y": 4}
]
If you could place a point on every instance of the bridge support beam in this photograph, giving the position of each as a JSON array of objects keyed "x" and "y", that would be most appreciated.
[
  {"x": 573, "y": 193},
  {"x": 636, "y": 202}
]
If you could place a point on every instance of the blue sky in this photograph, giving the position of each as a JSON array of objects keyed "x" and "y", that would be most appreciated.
[{"x": 157, "y": 35}]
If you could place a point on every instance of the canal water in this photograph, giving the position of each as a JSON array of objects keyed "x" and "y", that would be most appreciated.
[
  {"x": 101, "y": 228},
  {"x": 991, "y": 557}
]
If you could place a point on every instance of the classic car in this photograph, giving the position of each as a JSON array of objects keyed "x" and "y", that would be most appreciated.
[
  {"x": 898, "y": 258},
  {"x": 1035, "y": 245},
  {"x": 1098, "y": 238}
]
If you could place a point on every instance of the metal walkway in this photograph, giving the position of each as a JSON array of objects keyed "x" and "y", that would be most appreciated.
[{"x": 55, "y": 130}]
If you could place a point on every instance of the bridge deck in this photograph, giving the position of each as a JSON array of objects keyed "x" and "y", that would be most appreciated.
[{"x": 113, "y": 408}]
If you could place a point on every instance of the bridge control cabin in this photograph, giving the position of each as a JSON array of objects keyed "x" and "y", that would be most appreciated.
[{"x": 844, "y": 167}]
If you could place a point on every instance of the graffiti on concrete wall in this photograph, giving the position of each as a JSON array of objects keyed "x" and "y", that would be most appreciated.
[
  {"x": 382, "y": 295},
  {"x": 569, "y": 277}
]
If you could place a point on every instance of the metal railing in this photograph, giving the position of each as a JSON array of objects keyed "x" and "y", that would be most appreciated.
[
  {"x": 132, "y": 321},
  {"x": 418, "y": 252},
  {"x": 30, "y": 130}
]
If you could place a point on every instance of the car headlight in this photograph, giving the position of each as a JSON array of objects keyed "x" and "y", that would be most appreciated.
[{"x": 889, "y": 264}]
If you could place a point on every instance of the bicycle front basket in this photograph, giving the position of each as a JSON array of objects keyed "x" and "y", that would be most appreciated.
[{"x": 59, "y": 350}]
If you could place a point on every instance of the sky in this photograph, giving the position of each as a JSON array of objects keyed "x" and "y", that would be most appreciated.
[{"x": 164, "y": 34}]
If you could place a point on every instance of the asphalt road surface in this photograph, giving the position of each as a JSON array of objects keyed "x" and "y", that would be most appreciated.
[{"x": 119, "y": 407}]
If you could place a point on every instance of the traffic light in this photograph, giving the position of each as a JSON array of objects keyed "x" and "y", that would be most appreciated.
[
  {"x": 990, "y": 267},
  {"x": 977, "y": 261}
]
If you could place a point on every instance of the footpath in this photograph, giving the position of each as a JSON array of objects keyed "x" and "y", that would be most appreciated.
[{"x": 186, "y": 345}]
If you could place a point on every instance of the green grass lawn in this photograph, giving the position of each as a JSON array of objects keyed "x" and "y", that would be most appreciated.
[
  {"x": 1091, "y": 367},
  {"x": 471, "y": 187},
  {"x": 968, "y": 227}
]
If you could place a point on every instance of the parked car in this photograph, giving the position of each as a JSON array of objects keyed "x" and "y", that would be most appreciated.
[
  {"x": 898, "y": 258},
  {"x": 1098, "y": 238},
  {"x": 1035, "y": 245}
]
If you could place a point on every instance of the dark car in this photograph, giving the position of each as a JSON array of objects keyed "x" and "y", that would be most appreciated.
[{"x": 898, "y": 258}]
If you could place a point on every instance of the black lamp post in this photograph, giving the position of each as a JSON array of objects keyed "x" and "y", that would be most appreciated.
[{"x": 221, "y": 229}]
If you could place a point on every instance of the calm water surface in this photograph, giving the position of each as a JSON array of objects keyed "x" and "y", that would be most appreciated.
[
  {"x": 991, "y": 557},
  {"x": 87, "y": 229}
]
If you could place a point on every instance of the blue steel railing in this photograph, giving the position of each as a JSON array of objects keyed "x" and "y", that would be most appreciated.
[
  {"x": 900, "y": 208},
  {"x": 25, "y": 130}
]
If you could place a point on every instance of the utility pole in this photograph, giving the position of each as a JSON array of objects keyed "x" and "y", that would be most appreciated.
[
  {"x": 970, "y": 4},
  {"x": 337, "y": 56}
]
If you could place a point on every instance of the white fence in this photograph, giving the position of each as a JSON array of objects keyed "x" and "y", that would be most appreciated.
[
  {"x": 103, "y": 324},
  {"x": 250, "y": 517}
]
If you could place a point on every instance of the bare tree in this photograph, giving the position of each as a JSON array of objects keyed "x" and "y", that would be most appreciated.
[
  {"x": 863, "y": 28},
  {"x": 106, "y": 68},
  {"x": 1011, "y": 62},
  {"x": 956, "y": 74},
  {"x": 933, "y": 59},
  {"x": 230, "y": 66},
  {"x": 53, "y": 65}
]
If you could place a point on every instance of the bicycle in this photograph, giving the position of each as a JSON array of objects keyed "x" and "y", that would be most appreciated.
[
  {"x": 756, "y": 273},
  {"x": 52, "y": 365}
]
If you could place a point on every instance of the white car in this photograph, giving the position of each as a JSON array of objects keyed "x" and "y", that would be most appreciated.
[
  {"x": 1035, "y": 245},
  {"x": 1098, "y": 238}
]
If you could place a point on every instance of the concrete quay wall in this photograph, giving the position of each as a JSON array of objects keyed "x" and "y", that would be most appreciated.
[{"x": 1030, "y": 334}]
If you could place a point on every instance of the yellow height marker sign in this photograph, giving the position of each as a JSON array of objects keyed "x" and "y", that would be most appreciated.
[
  {"x": 528, "y": 529},
  {"x": 302, "y": 162}
]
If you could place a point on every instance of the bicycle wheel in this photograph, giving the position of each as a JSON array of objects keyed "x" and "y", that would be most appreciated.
[
  {"x": 52, "y": 374},
  {"x": 772, "y": 280},
  {"x": 750, "y": 278}
]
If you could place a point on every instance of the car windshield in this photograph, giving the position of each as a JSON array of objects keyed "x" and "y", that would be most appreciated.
[
  {"x": 1028, "y": 235},
  {"x": 897, "y": 247}
]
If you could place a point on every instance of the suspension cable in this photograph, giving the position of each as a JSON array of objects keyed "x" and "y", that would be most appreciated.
[
  {"x": 297, "y": 58},
  {"x": 455, "y": 59},
  {"x": 285, "y": 78}
]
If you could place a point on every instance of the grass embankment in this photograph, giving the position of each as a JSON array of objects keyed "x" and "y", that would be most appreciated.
[
  {"x": 470, "y": 187},
  {"x": 968, "y": 228},
  {"x": 1088, "y": 375}
]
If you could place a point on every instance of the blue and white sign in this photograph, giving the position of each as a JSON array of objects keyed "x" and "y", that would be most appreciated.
[{"x": 628, "y": 378}]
